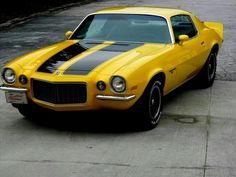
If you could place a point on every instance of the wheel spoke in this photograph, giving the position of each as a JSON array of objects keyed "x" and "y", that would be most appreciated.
[{"x": 155, "y": 103}]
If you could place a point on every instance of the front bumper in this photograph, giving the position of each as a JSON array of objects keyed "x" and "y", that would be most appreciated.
[
  {"x": 98, "y": 101},
  {"x": 12, "y": 89},
  {"x": 115, "y": 98}
]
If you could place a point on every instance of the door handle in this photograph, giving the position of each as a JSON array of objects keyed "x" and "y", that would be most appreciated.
[
  {"x": 172, "y": 70},
  {"x": 203, "y": 42}
]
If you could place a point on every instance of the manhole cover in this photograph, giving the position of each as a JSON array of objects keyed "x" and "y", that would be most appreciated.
[{"x": 186, "y": 120}]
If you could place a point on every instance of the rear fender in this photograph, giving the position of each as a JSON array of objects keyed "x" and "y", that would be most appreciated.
[{"x": 218, "y": 27}]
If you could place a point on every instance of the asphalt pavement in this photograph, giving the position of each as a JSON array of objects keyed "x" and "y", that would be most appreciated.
[
  {"x": 50, "y": 28},
  {"x": 196, "y": 136}
]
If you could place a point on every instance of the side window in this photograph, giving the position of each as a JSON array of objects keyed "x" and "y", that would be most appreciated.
[{"x": 183, "y": 24}]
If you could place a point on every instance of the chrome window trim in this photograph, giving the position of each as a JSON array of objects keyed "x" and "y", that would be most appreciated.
[{"x": 167, "y": 21}]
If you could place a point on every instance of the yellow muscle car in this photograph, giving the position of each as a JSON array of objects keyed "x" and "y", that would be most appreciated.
[{"x": 117, "y": 58}]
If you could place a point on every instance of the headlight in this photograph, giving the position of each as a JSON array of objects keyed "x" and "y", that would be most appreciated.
[
  {"x": 118, "y": 84},
  {"x": 9, "y": 76}
]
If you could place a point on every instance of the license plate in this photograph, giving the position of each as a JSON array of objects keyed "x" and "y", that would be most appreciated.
[{"x": 16, "y": 97}]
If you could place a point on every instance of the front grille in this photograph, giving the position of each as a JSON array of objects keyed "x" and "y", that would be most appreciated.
[{"x": 59, "y": 93}]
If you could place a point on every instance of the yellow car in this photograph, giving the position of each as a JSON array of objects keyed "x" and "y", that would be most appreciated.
[{"x": 117, "y": 58}]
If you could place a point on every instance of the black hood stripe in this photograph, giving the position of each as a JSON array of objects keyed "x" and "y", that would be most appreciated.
[
  {"x": 88, "y": 63},
  {"x": 54, "y": 62}
]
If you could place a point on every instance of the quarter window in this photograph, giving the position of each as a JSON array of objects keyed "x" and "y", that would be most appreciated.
[{"x": 183, "y": 25}]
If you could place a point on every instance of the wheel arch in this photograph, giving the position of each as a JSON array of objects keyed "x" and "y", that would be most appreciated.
[
  {"x": 160, "y": 75},
  {"x": 215, "y": 48}
]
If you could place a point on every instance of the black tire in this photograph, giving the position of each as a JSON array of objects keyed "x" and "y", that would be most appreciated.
[
  {"x": 149, "y": 106},
  {"x": 27, "y": 112},
  {"x": 30, "y": 111},
  {"x": 207, "y": 75}
]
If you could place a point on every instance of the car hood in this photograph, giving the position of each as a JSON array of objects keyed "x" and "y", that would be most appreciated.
[
  {"x": 134, "y": 53},
  {"x": 74, "y": 57}
]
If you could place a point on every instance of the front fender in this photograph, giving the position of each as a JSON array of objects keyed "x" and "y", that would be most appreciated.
[{"x": 138, "y": 81}]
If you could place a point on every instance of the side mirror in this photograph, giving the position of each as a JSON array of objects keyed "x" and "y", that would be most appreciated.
[
  {"x": 183, "y": 38},
  {"x": 68, "y": 34}
]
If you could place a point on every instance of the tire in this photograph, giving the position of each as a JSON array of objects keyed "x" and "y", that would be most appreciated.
[
  {"x": 27, "y": 112},
  {"x": 207, "y": 75},
  {"x": 149, "y": 106},
  {"x": 30, "y": 111}
]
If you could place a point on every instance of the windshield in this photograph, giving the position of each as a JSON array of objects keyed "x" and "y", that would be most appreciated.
[{"x": 124, "y": 27}]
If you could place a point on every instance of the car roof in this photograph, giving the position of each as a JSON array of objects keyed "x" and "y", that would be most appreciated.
[{"x": 161, "y": 11}]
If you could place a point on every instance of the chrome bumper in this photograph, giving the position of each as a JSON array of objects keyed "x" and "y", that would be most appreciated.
[
  {"x": 12, "y": 89},
  {"x": 99, "y": 97},
  {"x": 115, "y": 98}
]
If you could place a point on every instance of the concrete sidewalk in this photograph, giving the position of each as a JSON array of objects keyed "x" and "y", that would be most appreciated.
[
  {"x": 196, "y": 137},
  {"x": 48, "y": 29}
]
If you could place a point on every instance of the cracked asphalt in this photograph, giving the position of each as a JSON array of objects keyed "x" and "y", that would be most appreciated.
[{"x": 196, "y": 136}]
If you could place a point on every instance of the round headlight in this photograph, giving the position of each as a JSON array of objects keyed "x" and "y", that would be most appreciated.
[
  {"x": 118, "y": 84},
  {"x": 9, "y": 76}
]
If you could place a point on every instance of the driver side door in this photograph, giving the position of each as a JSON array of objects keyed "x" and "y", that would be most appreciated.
[{"x": 187, "y": 53}]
